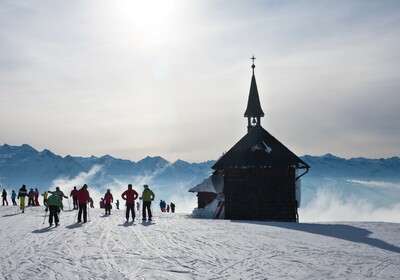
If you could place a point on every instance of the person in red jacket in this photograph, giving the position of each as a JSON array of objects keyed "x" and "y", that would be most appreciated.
[
  {"x": 130, "y": 195},
  {"x": 83, "y": 199},
  {"x": 108, "y": 199}
]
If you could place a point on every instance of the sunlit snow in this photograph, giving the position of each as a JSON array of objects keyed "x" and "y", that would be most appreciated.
[{"x": 176, "y": 246}]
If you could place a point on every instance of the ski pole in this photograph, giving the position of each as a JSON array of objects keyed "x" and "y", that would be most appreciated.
[
  {"x": 88, "y": 213},
  {"x": 45, "y": 214},
  {"x": 123, "y": 214},
  {"x": 76, "y": 215},
  {"x": 69, "y": 204},
  {"x": 139, "y": 209},
  {"x": 152, "y": 212}
]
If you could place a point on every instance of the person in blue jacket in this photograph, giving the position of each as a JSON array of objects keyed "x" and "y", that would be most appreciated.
[{"x": 13, "y": 196}]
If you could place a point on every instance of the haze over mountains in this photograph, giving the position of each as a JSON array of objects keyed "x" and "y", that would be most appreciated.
[{"x": 372, "y": 182}]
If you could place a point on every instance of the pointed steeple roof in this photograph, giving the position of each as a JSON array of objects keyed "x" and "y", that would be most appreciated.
[{"x": 253, "y": 104}]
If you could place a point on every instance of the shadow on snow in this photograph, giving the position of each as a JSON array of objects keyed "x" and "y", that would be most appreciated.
[{"x": 345, "y": 232}]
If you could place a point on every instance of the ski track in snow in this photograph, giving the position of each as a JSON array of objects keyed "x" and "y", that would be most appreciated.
[{"x": 176, "y": 246}]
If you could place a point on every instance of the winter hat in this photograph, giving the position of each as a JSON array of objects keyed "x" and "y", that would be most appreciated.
[{"x": 146, "y": 186}]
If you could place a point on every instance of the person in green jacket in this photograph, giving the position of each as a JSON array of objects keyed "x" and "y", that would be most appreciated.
[
  {"x": 53, "y": 204},
  {"x": 61, "y": 195},
  {"x": 147, "y": 197}
]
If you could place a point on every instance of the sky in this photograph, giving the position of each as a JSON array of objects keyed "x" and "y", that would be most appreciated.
[{"x": 171, "y": 78}]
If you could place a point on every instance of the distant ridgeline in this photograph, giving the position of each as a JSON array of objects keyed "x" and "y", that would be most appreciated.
[
  {"x": 25, "y": 165},
  {"x": 355, "y": 168}
]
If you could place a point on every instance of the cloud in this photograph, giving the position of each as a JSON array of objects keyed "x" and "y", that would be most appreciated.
[
  {"x": 333, "y": 206},
  {"x": 92, "y": 71},
  {"x": 66, "y": 185},
  {"x": 376, "y": 184},
  {"x": 178, "y": 194},
  {"x": 78, "y": 181}
]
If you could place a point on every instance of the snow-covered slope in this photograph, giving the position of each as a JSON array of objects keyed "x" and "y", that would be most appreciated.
[{"x": 178, "y": 247}]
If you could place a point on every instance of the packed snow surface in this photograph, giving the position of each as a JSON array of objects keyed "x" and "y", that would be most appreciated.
[{"x": 176, "y": 246}]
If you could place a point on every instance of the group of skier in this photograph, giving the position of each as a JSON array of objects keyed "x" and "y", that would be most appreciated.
[
  {"x": 33, "y": 197},
  {"x": 53, "y": 200},
  {"x": 164, "y": 207},
  {"x": 130, "y": 195}
]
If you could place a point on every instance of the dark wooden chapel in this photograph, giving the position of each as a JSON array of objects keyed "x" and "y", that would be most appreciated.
[{"x": 259, "y": 172}]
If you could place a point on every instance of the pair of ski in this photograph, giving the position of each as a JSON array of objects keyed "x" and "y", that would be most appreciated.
[{"x": 56, "y": 225}]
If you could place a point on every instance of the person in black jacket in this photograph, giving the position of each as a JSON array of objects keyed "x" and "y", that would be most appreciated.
[
  {"x": 31, "y": 197},
  {"x": 21, "y": 196},
  {"x": 4, "y": 196}
]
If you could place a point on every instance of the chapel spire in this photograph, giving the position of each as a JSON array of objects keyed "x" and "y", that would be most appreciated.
[{"x": 253, "y": 111}]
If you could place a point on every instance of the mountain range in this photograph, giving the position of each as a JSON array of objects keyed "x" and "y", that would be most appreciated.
[
  {"x": 25, "y": 165},
  {"x": 376, "y": 180}
]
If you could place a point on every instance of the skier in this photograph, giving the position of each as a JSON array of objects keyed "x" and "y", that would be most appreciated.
[
  {"x": 83, "y": 199},
  {"x": 130, "y": 195},
  {"x": 148, "y": 197},
  {"x": 91, "y": 202},
  {"x": 172, "y": 208},
  {"x": 4, "y": 196},
  {"x": 45, "y": 195},
  {"x": 21, "y": 196},
  {"x": 36, "y": 197},
  {"x": 61, "y": 195},
  {"x": 162, "y": 207},
  {"x": 168, "y": 208},
  {"x": 117, "y": 204},
  {"x": 31, "y": 197},
  {"x": 108, "y": 199},
  {"x": 13, "y": 196},
  {"x": 53, "y": 204},
  {"x": 74, "y": 195}
]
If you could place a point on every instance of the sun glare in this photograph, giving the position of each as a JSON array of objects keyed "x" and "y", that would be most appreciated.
[{"x": 152, "y": 23}]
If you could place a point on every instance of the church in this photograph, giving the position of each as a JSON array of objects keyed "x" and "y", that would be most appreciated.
[{"x": 258, "y": 178}]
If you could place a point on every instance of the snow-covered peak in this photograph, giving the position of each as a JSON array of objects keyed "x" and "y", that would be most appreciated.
[
  {"x": 181, "y": 163},
  {"x": 155, "y": 162},
  {"x": 47, "y": 152},
  {"x": 6, "y": 149},
  {"x": 23, "y": 149}
]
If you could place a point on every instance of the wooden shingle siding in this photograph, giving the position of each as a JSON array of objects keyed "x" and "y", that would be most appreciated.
[{"x": 263, "y": 194}]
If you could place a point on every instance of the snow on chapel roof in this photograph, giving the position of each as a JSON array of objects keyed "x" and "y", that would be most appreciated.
[{"x": 258, "y": 148}]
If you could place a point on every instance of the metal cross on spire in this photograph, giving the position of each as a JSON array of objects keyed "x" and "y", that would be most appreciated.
[{"x": 253, "y": 66}]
